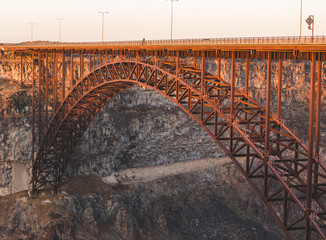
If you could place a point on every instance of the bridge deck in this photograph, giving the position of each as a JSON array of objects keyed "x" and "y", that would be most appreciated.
[{"x": 225, "y": 44}]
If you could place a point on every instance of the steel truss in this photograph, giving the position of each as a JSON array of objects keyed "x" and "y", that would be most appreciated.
[{"x": 286, "y": 175}]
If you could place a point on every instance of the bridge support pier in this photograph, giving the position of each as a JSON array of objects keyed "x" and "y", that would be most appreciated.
[
  {"x": 247, "y": 75},
  {"x": 318, "y": 119},
  {"x": 279, "y": 89},
  {"x": 267, "y": 123},
  {"x": 219, "y": 66},
  {"x": 310, "y": 148}
]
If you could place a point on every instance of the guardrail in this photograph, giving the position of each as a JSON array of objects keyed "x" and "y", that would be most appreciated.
[
  {"x": 223, "y": 41},
  {"x": 294, "y": 40}
]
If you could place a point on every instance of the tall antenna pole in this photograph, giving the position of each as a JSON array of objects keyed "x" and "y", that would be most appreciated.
[
  {"x": 60, "y": 19},
  {"x": 103, "y": 23},
  {"x": 172, "y": 15},
  {"x": 31, "y": 30},
  {"x": 300, "y": 21}
]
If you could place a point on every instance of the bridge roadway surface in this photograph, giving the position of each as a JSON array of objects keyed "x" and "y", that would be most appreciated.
[
  {"x": 300, "y": 48},
  {"x": 288, "y": 176}
]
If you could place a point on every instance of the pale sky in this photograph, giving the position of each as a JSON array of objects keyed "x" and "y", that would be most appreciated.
[{"x": 150, "y": 19}]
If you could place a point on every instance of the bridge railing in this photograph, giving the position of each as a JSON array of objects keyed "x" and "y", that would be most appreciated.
[{"x": 229, "y": 41}]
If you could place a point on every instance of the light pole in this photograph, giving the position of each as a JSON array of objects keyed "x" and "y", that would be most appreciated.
[
  {"x": 300, "y": 21},
  {"x": 103, "y": 23},
  {"x": 60, "y": 19},
  {"x": 311, "y": 25},
  {"x": 31, "y": 30},
  {"x": 172, "y": 15}
]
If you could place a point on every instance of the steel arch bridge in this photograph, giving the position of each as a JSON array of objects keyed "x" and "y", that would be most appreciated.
[{"x": 288, "y": 176}]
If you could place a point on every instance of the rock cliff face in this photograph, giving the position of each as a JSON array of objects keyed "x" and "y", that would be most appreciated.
[
  {"x": 140, "y": 128},
  {"x": 208, "y": 203},
  {"x": 136, "y": 130}
]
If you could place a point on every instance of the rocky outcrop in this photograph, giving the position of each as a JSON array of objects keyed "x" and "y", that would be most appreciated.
[
  {"x": 207, "y": 203},
  {"x": 140, "y": 128}
]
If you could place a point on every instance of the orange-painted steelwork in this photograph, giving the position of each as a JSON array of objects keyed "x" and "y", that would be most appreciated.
[{"x": 287, "y": 175}]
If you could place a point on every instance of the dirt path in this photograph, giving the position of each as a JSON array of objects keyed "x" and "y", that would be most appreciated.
[{"x": 137, "y": 175}]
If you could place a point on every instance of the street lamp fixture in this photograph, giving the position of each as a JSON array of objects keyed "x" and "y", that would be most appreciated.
[
  {"x": 172, "y": 15},
  {"x": 31, "y": 30},
  {"x": 60, "y": 19},
  {"x": 103, "y": 23},
  {"x": 311, "y": 25}
]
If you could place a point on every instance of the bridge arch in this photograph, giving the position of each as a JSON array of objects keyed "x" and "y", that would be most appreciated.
[{"x": 236, "y": 124}]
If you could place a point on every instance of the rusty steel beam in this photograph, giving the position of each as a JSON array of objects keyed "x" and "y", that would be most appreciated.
[
  {"x": 177, "y": 63},
  {"x": 40, "y": 69},
  {"x": 318, "y": 120},
  {"x": 55, "y": 82},
  {"x": 46, "y": 89},
  {"x": 156, "y": 58},
  {"x": 21, "y": 70},
  {"x": 81, "y": 64},
  {"x": 203, "y": 63},
  {"x": 232, "y": 85},
  {"x": 63, "y": 85},
  {"x": 247, "y": 75},
  {"x": 90, "y": 61},
  {"x": 279, "y": 89},
  {"x": 219, "y": 67},
  {"x": 267, "y": 124},
  {"x": 310, "y": 148},
  {"x": 318, "y": 107},
  {"x": 94, "y": 58},
  {"x": 33, "y": 111},
  {"x": 71, "y": 70}
]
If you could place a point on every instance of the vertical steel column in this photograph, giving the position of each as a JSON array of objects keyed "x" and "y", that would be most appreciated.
[
  {"x": 279, "y": 89},
  {"x": 203, "y": 90},
  {"x": 100, "y": 59},
  {"x": 246, "y": 88},
  {"x": 203, "y": 63},
  {"x": 247, "y": 75},
  {"x": 81, "y": 66},
  {"x": 55, "y": 82},
  {"x": 248, "y": 159},
  {"x": 215, "y": 123},
  {"x": 94, "y": 59},
  {"x": 232, "y": 84},
  {"x": 268, "y": 117},
  {"x": 90, "y": 61},
  {"x": 63, "y": 66},
  {"x": 40, "y": 69},
  {"x": 219, "y": 67},
  {"x": 318, "y": 119},
  {"x": 71, "y": 70},
  {"x": 177, "y": 67},
  {"x": 156, "y": 58},
  {"x": 21, "y": 70},
  {"x": 285, "y": 209},
  {"x": 310, "y": 146},
  {"x": 33, "y": 110},
  {"x": 46, "y": 89},
  {"x": 195, "y": 61},
  {"x": 177, "y": 63},
  {"x": 232, "y": 99},
  {"x": 106, "y": 57}
]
